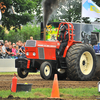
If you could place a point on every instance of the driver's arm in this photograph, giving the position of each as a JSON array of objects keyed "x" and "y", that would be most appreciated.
[
  {"x": 59, "y": 38},
  {"x": 67, "y": 38}
]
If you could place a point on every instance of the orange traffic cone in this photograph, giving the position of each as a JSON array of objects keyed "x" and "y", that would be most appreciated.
[{"x": 55, "y": 88}]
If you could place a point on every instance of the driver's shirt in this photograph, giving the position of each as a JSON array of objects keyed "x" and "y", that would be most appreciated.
[{"x": 61, "y": 37}]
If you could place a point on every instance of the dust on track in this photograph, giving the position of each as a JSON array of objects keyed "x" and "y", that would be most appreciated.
[{"x": 38, "y": 82}]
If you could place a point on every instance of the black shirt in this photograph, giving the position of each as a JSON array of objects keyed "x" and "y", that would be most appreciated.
[
  {"x": 9, "y": 50},
  {"x": 61, "y": 37}
]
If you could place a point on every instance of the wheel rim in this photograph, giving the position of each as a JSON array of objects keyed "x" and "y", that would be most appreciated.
[
  {"x": 24, "y": 72},
  {"x": 86, "y": 63},
  {"x": 47, "y": 70},
  {"x": 61, "y": 70}
]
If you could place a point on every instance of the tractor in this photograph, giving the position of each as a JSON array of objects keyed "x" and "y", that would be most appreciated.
[{"x": 77, "y": 62}]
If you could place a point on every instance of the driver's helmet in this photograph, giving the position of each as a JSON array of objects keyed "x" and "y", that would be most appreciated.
[{"x": 62, "y": 28}]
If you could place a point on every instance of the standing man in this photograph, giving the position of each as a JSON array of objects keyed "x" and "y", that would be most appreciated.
[{"x": 31, "y": 37}]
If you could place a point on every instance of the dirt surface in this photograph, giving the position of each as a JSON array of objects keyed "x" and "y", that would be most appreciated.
[
  {"x": 38, "y": 82},
  {"x": 69, "y": 97}
]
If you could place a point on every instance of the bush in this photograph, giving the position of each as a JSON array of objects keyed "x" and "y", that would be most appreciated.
[
  {"x": 24, "y": 34},
  {"x": 2, "y": 33}
]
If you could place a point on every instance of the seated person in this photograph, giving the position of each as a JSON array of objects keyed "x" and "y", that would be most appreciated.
[
  {"x": 0, "y": 50},
  {"x": 63, "y": 38},
  {"x": 9, "y": 50},
  {"x": 22, "y": 51},
  {"x": 17, "y": 51},
  {"x": 3, "y": 50},
  {"x": 14, "y": 51}
]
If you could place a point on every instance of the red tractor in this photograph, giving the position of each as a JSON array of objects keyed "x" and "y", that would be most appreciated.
[{"x": 78, "y": 61}]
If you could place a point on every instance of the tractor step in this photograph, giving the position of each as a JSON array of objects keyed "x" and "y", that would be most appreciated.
[{"x": 61, "y": 62}]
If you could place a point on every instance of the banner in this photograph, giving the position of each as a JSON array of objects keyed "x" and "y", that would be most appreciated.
[{"x": 90, "y": 9}]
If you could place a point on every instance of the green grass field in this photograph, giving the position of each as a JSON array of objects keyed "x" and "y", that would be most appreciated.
[{"x": 46, "y": 92}]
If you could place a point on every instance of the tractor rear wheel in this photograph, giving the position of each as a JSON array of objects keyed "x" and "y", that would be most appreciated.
[
  {"x": 46, "y": 71},
  {"x": 81, "y": 62},
  {"x": 22, "y": 73}
]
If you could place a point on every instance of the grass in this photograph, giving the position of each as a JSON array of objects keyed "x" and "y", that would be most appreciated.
[
  {"x": 46, "y": 92},
  {"x": 11, "y": 73}
]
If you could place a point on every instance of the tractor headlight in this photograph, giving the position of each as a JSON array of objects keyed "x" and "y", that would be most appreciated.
[
  {"x": 34, "y": 54},
  {"x": 27, "y": 53}
]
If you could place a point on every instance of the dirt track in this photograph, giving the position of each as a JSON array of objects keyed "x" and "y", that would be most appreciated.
[{"x": 38, "y": 82}]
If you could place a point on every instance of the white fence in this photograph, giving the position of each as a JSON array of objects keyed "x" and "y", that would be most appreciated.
[{"x": 7, "y": 65}]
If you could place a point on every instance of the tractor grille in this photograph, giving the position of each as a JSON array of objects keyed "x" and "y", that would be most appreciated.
[
  {"x": 30, "y": 43},
  {"x": 41, "y": 53}
]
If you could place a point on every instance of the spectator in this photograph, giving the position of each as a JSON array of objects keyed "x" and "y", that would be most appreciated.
[
  {"x": 14, "y": 51},
  {"x": 3, "y": 50},
  {"x": 6, "y": 44},
  {"x": 31, "y": 37},
  {"x": 17, "y": 51},
  {"x": 22, "y": 50},
  {"x": 9, "y": 51},
  {"x": 24, "y": 44},
  {"x": 0, "y": 50},
  {"x": 13, "y": 44},
  {"x": 9, "y": 42},
  {"x": 6, "y": 41},
  {"x": 17, "y": 43}
]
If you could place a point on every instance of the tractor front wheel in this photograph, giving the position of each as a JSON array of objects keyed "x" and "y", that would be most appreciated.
[
  {"x": 22, "y": 73},
  {"x": 46, "y": 70},
  {"x": 81, "y": 62}
]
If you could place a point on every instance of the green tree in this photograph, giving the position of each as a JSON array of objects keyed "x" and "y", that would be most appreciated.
[
  {"x": 24, "y": 12},
  {"x": 70, "y": 11},
  {"x": 24, "y": 34},
  {"x": 2, "y": 33}
]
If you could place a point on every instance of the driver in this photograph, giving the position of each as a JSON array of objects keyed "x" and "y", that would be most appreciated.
[{"x": 63, "y": 38}]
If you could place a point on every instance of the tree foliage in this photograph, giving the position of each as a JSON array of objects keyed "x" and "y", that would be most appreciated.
[
  {"x": 24, "y": 34},
  {"x": 24, "y": 12},
  {"x": 2, "y": 33},
  {"x": 70, "y": 11}
]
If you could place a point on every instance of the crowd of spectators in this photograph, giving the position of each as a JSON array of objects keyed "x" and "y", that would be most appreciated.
[{"x": 12, "y": 50}]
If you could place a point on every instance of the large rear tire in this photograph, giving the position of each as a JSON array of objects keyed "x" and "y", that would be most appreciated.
[
  {"x": 22, "y": 73},
  {"x": 81, "y": 62},
  {"x": 46, "y": 71}
]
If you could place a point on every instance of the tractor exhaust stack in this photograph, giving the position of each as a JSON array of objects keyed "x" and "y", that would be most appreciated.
[{"x": 44, "y": 34}]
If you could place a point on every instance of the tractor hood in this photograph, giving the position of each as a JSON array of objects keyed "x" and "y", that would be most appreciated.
[
  {"x": 35, "y": 49},
  {"x": 48, "y": 44}
]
